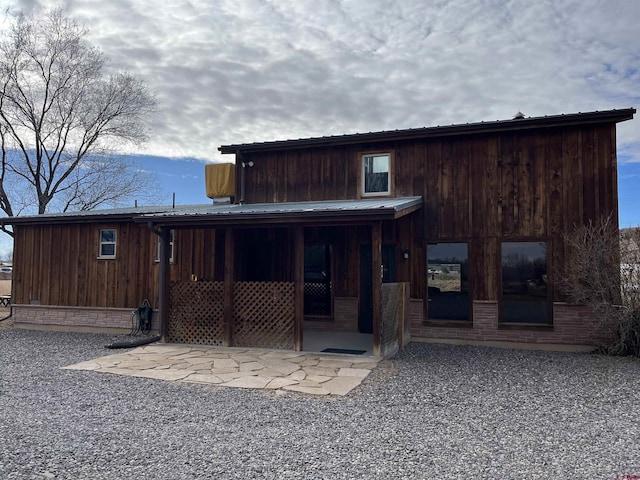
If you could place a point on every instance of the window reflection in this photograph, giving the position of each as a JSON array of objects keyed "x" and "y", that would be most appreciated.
[
  {"x": 524, "y": 282},
  {"x": 448, "y": 281}
]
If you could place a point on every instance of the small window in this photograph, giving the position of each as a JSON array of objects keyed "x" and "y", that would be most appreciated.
[
  {"x": 448, "y": 281},
  {"x": 376, "y": 173},
  {"x": 108, "y": 243},
  {"x": 524, "y": 283},
  {"x": 171, "y": 236}
]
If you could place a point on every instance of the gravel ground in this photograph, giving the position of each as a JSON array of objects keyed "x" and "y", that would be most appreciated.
[{"x": 434, "y": 411}]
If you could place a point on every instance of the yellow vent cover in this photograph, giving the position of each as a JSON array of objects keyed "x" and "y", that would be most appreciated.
[{"x": 220, "y": 179}]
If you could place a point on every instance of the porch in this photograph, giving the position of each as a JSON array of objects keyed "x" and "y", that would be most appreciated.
[
  {"x": 262, "y": 284},
  {"x": 264, "y": 317}
]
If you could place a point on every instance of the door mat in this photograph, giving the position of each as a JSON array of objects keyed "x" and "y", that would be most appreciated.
[{"x": 345, "y": 351}]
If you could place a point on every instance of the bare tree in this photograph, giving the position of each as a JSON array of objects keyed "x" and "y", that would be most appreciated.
[
  {"x": 602, "y": 271},
  {"x": 61, "y": 117}
]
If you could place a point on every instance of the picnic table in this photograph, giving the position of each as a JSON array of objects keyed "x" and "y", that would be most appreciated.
[{"x": 5, "y": 300}]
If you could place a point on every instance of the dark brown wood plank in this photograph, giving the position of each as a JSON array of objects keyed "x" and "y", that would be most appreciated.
[
  {"x": 298, "y": 253},
  {"x": 446, "y": 213},
  {"x": 491, "y": 188},
  {"x": 506, "y": 164},
  {"x": 376, "y": 263},
  {"x": 461, "y": 203},
  {"x": 229, "y": 279}
]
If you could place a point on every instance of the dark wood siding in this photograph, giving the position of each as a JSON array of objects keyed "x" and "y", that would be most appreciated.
[
  {"x": 481, "y": 189},
  {"x": 67, "y": 270}
]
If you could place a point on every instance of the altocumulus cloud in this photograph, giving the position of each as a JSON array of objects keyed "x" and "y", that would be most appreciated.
[{"x": 252, "y": 70}]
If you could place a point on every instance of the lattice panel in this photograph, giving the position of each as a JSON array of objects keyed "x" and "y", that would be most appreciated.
[
  {"x": 317, "y": 298},
  {"x": 263, "y": 314},
  {"x": 196, "y": 313}
]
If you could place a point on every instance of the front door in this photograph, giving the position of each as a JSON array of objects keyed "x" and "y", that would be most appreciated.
[{"x": 365, "y": 316}]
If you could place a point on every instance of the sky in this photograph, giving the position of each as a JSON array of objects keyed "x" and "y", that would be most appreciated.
[{"x": 238, "y": 71}]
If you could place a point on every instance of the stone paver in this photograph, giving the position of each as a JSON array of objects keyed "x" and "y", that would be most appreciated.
[
  {"x": 353, "y": 372},
  {"x": 279, "y": 371}
]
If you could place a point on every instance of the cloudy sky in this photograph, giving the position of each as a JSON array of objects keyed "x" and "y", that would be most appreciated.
[
  {"x": 228, "y": 71},
  {"x": 233, "y": 71}
]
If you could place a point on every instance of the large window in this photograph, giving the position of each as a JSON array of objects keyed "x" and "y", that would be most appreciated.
[
  {"x": 108, "y": 238},
  {"x": 376, "y": 173},
  {"x": 448, "y": 281},
  {"x": 524, "y": 283}
]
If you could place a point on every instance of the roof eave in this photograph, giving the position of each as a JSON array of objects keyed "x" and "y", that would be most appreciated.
[
  {"x": 598, "y": 117},
  {"x": 67, "y": 219},
  {"x": 271, "y": 218}
]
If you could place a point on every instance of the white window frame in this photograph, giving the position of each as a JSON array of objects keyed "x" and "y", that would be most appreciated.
[
  {"x": 102, "y": 243},
  {"x": 171, "y": 241},
  {"x": 363, "y": 158}
]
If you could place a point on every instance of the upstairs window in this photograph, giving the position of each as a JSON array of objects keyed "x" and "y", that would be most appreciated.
[
  {"x": 108, "y": 238},
  {"x": 376, "y": 174}
]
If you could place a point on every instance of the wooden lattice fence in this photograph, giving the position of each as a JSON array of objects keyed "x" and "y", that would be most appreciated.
[
  {"x": 196, "y": 313},
  {"x": 263, "y": 314}
]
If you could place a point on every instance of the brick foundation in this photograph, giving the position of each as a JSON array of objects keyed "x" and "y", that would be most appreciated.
[
  {"x": 572, "y": 325},
  {"x": 80, "y": 319}
]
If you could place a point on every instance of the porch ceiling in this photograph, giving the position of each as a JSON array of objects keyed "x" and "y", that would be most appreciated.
[{"x": 331, "y": 211}]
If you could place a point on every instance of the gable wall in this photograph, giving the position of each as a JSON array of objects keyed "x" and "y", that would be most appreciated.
[{"x": 478, "y": 188}]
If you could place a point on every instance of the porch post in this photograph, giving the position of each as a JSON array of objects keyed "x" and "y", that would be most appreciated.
[
  {"x": 376, "y": 283},
  {"x": 229, "y": 256},
  {"x": 163, "y": 281},
  {"x": 298, "y": 279}
]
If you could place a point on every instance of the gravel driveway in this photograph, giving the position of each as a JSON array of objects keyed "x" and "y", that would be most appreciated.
[{"x": 434, "y": 411}]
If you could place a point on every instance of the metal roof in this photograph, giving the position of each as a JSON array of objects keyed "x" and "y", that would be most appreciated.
[
  {"x": 605, "y": 116},
  {"x": 224, "y": 213},
  {"x": 88, "y": 215},
  {"x": 288, "y": 212}
]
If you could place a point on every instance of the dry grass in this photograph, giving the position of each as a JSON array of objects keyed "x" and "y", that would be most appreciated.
[{"x": 445, "y": 283}]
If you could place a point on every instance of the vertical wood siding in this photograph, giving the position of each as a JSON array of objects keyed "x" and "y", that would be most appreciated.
[
  {"x": 480, "y": 189},
  {"x": 67, "y": 270}
]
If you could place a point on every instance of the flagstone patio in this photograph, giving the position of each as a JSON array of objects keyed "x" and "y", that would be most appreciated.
[{"x": 312, "y": 373}]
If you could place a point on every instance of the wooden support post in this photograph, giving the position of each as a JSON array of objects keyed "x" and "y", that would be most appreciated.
[
  {"x": 298, "y": 278},
  {"x": 229, "y": 279},
  {"x": 163, "y": 281},
  {"x": 376, "y": 284}
]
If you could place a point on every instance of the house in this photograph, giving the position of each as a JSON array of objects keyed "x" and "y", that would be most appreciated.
[{"x": 448, "y": 233}]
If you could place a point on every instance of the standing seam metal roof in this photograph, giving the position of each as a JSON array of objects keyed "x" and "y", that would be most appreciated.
[
  {"x": 605, "y": 116},
  {"x": 296, "y": 210},
  {"x": 223, "y": 212}
]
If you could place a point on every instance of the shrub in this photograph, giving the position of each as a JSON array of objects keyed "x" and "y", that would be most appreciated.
[{"x": 602, "y": 271}]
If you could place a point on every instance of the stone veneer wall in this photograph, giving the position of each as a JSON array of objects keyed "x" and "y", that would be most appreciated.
[
  {"x": 83, "y": 319},
  {"x": 345, "y": 317},
  {"x": 572, "y": 325}
]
